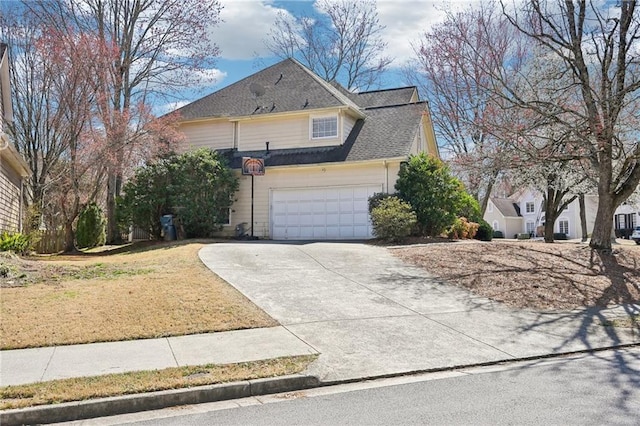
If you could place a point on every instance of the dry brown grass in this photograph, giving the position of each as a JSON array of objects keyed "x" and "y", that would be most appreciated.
[
  {"x": 534, "y": 274},
  {"x": 78, "y": 389},
  {"x": 131, "y": 293}
]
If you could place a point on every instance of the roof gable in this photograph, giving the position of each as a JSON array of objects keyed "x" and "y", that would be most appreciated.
[
  {"x": 287, "y": 86},
  {"x": 506, "y": 207}
]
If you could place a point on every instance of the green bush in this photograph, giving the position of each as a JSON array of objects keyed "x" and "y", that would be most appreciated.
[
  {"x": 393, "y": 219},
  {"x": 436, "y": 196},
  {"x": 375, "y": 199},
  {"x": 498, "y": 234},
  {"x": 485, "y": 231},
  {"x": 197, "y": 187},
  {"x": 91, "y": 230},
  {"x": 15, "y": 242}
]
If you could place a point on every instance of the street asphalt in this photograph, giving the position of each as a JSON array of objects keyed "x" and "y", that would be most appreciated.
[{"x": 363, "y": 310}]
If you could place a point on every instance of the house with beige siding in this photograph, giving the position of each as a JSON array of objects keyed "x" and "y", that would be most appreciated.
[
  {"x": 325, "y": 150},
  {"x": 13, "y": 169}
]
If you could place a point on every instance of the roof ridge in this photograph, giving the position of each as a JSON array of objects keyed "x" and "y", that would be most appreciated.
[
  {"x": 386, "y": 90},
  {"x": 396, "y": 105}
]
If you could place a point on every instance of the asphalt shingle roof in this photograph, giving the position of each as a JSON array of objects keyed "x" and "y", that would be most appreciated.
[
  {"x": 389, "y": 127},
  {"x": 507, "y": 207},
  {"x": 288, "y": 86}
]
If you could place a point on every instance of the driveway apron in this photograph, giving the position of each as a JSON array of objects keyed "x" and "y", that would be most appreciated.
[{"x": 369, "y": 314}]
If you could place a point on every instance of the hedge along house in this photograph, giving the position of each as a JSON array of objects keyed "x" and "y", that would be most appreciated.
[
  {"x": 13, "y": 169},
  {"x": 325, "y": 150}
]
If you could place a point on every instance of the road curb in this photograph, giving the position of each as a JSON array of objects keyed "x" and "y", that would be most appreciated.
[
  {"x": 126, "y": 404},
  {"x": 155, "y": 400}
]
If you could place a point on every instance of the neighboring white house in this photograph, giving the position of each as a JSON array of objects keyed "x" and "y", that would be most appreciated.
[
  {"x": 324, "y": 151},
  {"x": 523, "y": 212},
  {"x": 13, "y": 169},
  {"x": 626, "y": 217}
]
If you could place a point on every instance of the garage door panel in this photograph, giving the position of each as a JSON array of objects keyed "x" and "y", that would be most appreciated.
[
  {"x": 332, "y": 207},
  {"x": 306, "y": 219},
  {"x": 305, "y": 232},
  {"x": 322, "y": 213}
]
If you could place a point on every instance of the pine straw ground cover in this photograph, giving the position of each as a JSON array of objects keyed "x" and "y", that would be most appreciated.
[
  {"x": 559, "y": 276},
  {"x": 66, "y": 390},
  {"x": 134, "y": 292}
]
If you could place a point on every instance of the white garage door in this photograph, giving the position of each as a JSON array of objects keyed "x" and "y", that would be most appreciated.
[{"x": 322, "y": 213}]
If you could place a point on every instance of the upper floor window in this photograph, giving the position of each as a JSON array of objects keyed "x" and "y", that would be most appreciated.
[
  {"x": 529, "y": 207},
  {"x": 490, "y": 207},
  {"x": 324, "y": 127}
]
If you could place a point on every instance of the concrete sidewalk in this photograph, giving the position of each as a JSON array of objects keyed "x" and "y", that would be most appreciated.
[{"x": 59, "y": 362}]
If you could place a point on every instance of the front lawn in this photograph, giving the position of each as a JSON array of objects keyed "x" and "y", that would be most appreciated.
[{"x": 134, "y": 292}]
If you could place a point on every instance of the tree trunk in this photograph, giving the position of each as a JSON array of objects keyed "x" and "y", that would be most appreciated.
[
  {"x": 583, "y": 218},
  {"x": 113, "y": 233},
  {"x": 548, "y": 229},
  {"x": 601, "y": 237},
  {"x": 69, "y": 238}
]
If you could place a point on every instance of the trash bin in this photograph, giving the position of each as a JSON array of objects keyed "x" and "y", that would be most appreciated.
[
  {"x": 241, "y": 229},
  {"x": 168, "y": 228}
]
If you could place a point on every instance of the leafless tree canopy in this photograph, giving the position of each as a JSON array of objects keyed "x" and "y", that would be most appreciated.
[
  {"x": 160, "y": 45},
  {"x": 599, "y": 46},
  {"x": 340, "y": 43},
  {"x": 450, "y": 67}
]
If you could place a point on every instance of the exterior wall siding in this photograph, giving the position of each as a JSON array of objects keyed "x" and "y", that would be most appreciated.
[
  {"x": 348, "y": 123},
  {"x": 209, "y": 134},
  {"x": 370, "y": 174},
  {"x": 9, "y": 199},
  {"x": 283, "y": 133}
]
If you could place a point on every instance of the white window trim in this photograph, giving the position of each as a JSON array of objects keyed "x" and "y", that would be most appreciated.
[
  {"x": 526, "y": 204},
  {"x": 230, "y": 221},
  {"x": 496, "y": 225},
  {"x": 560, "y": 220},
  {"x": 532, "y": 230},
  {"x": 319, "y": 117}
]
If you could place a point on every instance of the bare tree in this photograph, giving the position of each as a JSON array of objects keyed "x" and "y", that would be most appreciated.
[
  {"x": 598, "y": 46},
  {"x": 341, "y": 43},
  {"x": 35, "y": 109},
  {"x": 161, "y": 44},
  {"x": 75, "y": 62},
  {"x": 450, "y": 68}
]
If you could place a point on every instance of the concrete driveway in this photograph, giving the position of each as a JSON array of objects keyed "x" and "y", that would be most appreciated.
[{"x": 369, "y": 314}]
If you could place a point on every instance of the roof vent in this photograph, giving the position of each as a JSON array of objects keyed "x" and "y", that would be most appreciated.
[{"x": 256, "y": 89}]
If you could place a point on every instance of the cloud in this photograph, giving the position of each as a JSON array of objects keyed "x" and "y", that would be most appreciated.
[
  {"x": 246, "y": 25},
  {"x": 406, "y": 20},
  {"x": 209, "y": 77}
]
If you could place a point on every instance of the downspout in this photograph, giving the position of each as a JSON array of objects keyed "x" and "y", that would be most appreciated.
[
  {"x": 21, "y": 206},
  {"x": 386, "y": 176}
]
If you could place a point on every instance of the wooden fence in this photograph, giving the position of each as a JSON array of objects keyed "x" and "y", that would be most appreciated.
[{"x": 49, "y": 241}]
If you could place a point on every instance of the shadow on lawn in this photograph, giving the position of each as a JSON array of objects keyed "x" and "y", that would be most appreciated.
[{"x": 131, "y": 248}]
